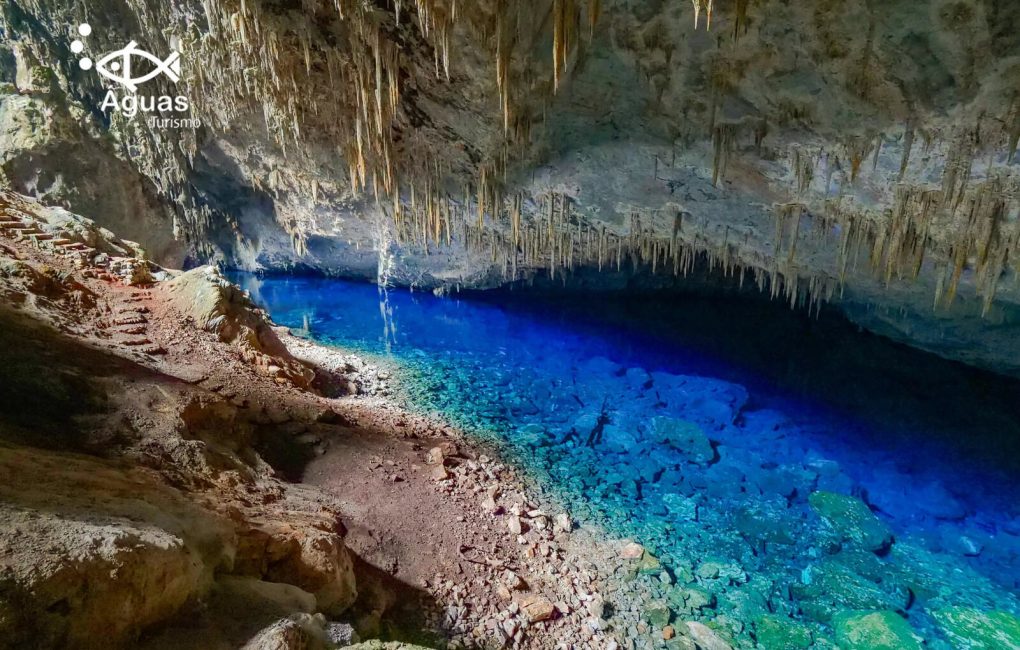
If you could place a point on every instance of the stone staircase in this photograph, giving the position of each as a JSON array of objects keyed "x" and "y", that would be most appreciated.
[{"x": 129, "y": 325}]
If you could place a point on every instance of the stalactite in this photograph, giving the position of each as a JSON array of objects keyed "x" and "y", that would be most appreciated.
[{"x": 594, "y": 11}]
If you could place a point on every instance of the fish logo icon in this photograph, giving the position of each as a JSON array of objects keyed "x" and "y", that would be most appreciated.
[
  {"x": 121, "y": 62},
  {"x": 117, "y": 66}
]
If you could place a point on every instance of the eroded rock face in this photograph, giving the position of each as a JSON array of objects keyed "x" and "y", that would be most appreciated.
[
  {"x": 219, "y": 306},
  {"x": 854, "y": 152},
  {"x": 131, "y": 493},
  {"x": 73, "y": 573}
]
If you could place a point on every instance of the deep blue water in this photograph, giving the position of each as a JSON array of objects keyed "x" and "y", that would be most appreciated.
[{"x": 569, "y": 385}]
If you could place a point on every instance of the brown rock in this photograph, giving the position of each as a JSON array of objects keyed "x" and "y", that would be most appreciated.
[
  {"x": 299, "y": 632},
  {"x": 536, "y": 608},
  {"x": 515, "y": 525},
  {"x": 439, "y": 473},
  {"x": 435, "y": 456},
  {"x": 632, "y": 551}
]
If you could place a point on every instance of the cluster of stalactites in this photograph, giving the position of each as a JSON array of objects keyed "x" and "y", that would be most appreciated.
[
  {"x": 706, "y": 7},
  {"x": 962, "y": 227},
  {"x": 519, "y": 236},
  {"x": 344, "y": 87}
]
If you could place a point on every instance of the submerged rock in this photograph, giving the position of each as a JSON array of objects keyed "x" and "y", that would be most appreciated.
[
  {"x": 852, "y": 519},
  {"x": 782, "y": 633},
  {"x": 685, "y": 437},
  {"x": 971, "y": 629},
  {"x": 706, "y": 638},
  {"x": 658, "y": 615},
  {"x": 838, "y": 584},
  {"x": 874, "y": 631}
]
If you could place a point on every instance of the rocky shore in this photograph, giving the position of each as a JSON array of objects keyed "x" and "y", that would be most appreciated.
[{"x": 181, "y": 474}]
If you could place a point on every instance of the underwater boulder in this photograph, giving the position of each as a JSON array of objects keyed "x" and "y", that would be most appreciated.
[
  {"x": 681, "y": 507},
  {"x": 710, "y": 402},
  {"x": 972, "y": 629},
  {"x": 691, "y": 599},
  {"x": 599, "y": 367},
  {"x": 767, "y": 521},
  {"x": 658, "y": 615},
  {"x": 686, "y": 437},
  {"x": 852, "y": 519},
  {"x": 874, "y": 631},
  {"x": 931, "y": 499},
  {"x": 842, "y": 583},
  {"x": 617, "y": 439},
  {"x": 781, "y": 633}
]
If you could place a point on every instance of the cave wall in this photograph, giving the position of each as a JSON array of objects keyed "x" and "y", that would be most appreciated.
[{"x": 857, "y": 152}]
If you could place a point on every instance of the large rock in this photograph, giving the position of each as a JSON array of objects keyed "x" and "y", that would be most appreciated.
[
  {"x": 298, "y": 632},
  {"x": 705, "y": 638},
  {"x": 874, "y": 631},
  {"x": 685, "y": 437},
  {"x": 972, "y": 629},
  {"x": 837, "y": 584},
  {"x": 781, "y": 633},
  {"x": 91, "y": 550},
  {"x": 852, "y": 519},
  {"x": 217, "y": 305}
]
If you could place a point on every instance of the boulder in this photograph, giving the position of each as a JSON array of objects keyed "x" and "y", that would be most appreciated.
[
  {"x": 90, "y": 549},
  {"x": 536, "y": 608},
  {"x": 685, "y": 437},
  {"x": 658, "y": 615},
  {"x": 302, "y": 549},
  {"x": 632, "y": 551},
  {"x": 836, "y": 585},
  {"x": 972, "y": 629},
  {"x": 706, "y": 638},
  {"x": 883, "y": 630},
  {"x": 781, "y": 633},
  {"x": 282, "y": 597},
  {"x": 681, "y": 507},
  {"x": 852, "y": 519},
  {"x": 216, "y": 305},
  {"x": 298, "y": 632}
]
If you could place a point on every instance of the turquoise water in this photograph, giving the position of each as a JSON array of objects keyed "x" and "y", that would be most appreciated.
[{"x": 703, "y": 426}]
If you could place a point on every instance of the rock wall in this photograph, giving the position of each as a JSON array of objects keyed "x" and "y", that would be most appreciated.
[{"x": 133, "y": 490}]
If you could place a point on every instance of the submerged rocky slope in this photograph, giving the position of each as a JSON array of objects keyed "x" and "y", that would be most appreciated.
[{"x": 856, "y": 152}]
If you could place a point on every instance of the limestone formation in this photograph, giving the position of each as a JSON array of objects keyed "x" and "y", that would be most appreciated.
[{"x": 450, "y": 144}]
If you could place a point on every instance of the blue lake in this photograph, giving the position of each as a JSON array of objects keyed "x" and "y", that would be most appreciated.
[{"x": 702, "y": 426}]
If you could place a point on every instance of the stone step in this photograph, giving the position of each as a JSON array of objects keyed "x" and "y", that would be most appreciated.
[
  {"x": 130, "y": 320},
  {"x": 127, "y": 310},
  {"x": 132, "y": 329},
  {"x": 135, "y": 342}
]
